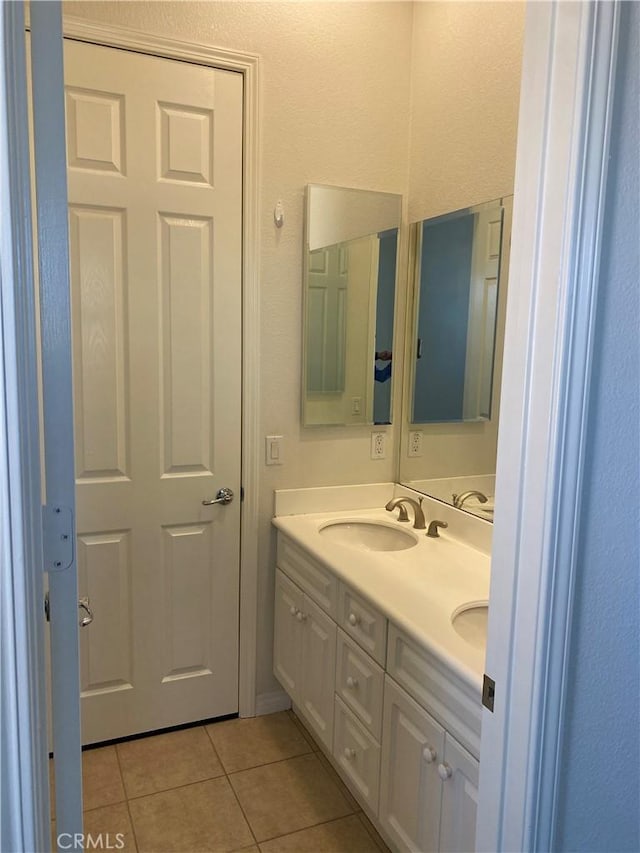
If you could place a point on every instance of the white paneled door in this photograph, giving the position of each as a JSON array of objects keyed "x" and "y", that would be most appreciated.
[{"x": 154, "y": 155}]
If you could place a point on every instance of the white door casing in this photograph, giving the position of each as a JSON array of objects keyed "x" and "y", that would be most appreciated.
[{"x": 155, "y": 191}]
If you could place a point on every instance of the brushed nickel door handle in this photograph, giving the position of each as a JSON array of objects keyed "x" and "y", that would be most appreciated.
[
  {"x": 224, "y": 496},
  {"x": 83, "y": 604}
]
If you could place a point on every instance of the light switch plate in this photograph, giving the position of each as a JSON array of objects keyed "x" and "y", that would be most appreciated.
[{"x": 273, "y": 450}]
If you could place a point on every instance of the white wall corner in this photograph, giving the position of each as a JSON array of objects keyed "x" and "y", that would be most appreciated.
[{"x": 271, "y": 703}]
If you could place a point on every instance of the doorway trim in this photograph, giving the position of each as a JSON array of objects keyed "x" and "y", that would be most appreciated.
[
  {"x": 569, "y": 75},
  {"x": 248, "y": 65}
]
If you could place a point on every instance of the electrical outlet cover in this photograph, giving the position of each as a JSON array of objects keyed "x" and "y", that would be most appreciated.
[
  {"x": 378, "y": 445},
  {"x": 415, "y": 443}
]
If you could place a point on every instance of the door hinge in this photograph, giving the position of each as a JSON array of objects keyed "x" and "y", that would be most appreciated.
[
  {"x": 47, "y": 607},
  {"x": 58, "y": 545},
  {"x": 241, "y": 493},
  {"x": 488, "y": 692}
]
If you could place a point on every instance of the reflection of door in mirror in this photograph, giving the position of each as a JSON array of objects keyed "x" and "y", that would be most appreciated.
[
  {"x": 340, "y": 329},
  {"x": 456, "y": 331},
  {"x": 349, "y": 297},
  {"x": 457, "y": 278}
]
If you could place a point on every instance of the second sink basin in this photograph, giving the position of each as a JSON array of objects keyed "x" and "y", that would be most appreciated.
[
  {"x": 470, "y": 622},
  {"x": 369, "y": 535}
]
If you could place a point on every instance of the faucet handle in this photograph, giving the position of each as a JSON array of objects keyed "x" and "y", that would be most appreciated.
[{"x": 433, "y": 528}]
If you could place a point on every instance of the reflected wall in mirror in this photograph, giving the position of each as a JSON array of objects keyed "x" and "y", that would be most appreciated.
[
  {"x": 351, "y": 247},
  {"x": 455, "y": 340},
  {"x": 457, "y": 269}
]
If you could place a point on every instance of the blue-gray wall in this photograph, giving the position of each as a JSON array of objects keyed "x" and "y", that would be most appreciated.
[{"x": 599, "y": 803}]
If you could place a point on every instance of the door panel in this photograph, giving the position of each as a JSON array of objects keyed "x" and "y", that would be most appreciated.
[
  {"x": 459, "y": 800},
  {"x": 319, "y": 675},
  {"x": 104, "y": 572},
  {"x": 154, "y": 157},
  {"x": 410, "y": 788},
  {"x": 287, "y": 636}
]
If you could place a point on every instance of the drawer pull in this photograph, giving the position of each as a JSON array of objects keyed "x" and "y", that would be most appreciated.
[
  {"x": 352, "y": 682},
  {"x": 349, "y": 754},
  {"x": 300, "y": 616},
  {"x": 444, "y": 772},
  {"x": 293, "y": 610},
  {"x": 354, "y": 619},
  {"x": 429, "y": 754}
]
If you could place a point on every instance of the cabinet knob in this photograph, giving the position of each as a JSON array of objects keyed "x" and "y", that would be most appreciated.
[
  {"x": 352, "y": 682},
  {"x": 444, "y": 772},
  {"x": 353, "y": 619},
  {"x": 293, "y": 610},
  {"x": 349, "y": 754},
  {"x": 300, "y": 616},
  {"x": 429, "y": 754}
]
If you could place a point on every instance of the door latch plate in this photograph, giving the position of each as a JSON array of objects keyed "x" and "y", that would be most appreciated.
[
  {"x": 488, "y": 692},
  {"x": 57, "y": 524}
]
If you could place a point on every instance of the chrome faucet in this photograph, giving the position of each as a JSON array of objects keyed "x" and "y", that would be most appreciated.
[
  {"x": 458, "y": 500},
  {"x": 419, "y": 522}
]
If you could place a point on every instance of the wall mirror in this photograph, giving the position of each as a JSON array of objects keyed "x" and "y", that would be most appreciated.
[
  {"x": 455, "y": 335},
  {"x": 456, "y": 285},
  {"x": 351, "y": 248}
]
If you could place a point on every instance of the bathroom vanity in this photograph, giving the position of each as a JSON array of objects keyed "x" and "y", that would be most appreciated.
[{"x": 379, "y": 642}]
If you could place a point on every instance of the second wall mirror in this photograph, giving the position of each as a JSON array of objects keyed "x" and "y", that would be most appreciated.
[
  {"x": 351, "y": 249},
  {"x": 455, "y": 334}
]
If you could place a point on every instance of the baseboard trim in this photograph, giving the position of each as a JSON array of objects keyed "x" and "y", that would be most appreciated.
[{"x": 270, "y": 703}]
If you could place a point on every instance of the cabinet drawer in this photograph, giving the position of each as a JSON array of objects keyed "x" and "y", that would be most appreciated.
[
  {"x": 364, "y": 623},
  {"x": 437, "y": 688},
  {"x": 309, "y": 574},
  {"x": 357, "y": 754},
  {"x": 360, "y": 683}
]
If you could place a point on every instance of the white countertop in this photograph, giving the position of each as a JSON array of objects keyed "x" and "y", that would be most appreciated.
[{"x": 418, "y": 588}]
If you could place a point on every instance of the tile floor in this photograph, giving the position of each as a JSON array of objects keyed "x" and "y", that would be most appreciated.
[{"x": 239, "y": 785}]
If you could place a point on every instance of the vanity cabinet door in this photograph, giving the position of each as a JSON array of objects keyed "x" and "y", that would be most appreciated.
[
  {"x": 288, "y": 632},
  {"x": 459, "y": 773},
  {"x": 318, "y": 671},
  {"x": 410, "y": 786}
]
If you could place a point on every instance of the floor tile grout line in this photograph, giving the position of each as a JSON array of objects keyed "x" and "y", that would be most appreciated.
[
  {"x": 177, "y": 787},
  {"x": 124, "y": 788},
  {"x": 267, "y": 763},
  {"x": 314, "y": 826},
  {"x": 244, "y": 814},
  {"x": 213, "y": 746}
]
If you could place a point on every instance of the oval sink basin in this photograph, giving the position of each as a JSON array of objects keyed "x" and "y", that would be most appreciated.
[
  {"x": 470, "y": 622},
  {"x": 368, "y": 536}
]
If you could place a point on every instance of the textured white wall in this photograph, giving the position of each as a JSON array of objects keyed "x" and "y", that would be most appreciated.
[
  {"x": 466, "y": 70},
  {"x": 335, "y": 110},
  {"x": 467, "y": 59}
]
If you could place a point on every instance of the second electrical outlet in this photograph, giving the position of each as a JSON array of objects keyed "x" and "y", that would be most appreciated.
[{"x": 378, "y": 445}]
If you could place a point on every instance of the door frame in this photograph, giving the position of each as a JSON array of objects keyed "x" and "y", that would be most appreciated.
[
  {"x": 567, "y": 96},
  {"x": 248, "y": 65},
  {"x": 23, "y": 708},
  {"x": 536, "y": 489}
]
